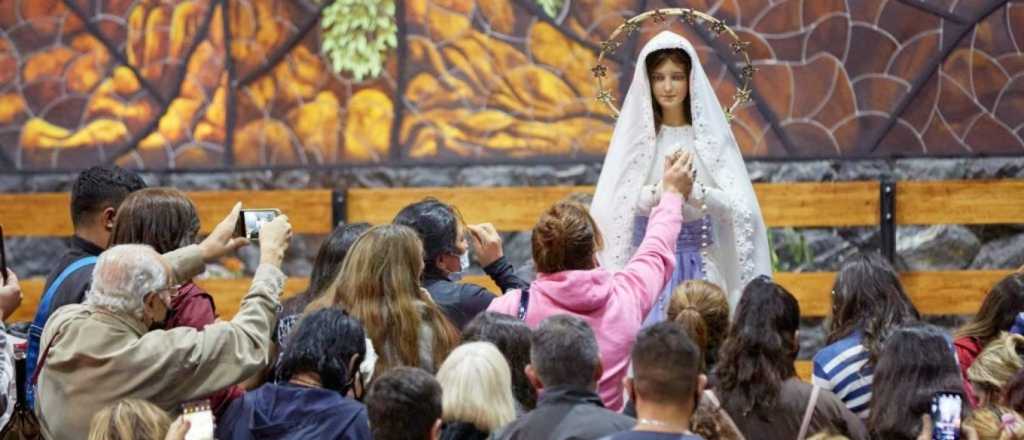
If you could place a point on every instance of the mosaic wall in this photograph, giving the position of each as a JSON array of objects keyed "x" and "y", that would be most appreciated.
[{"x": 160, "y": 84}]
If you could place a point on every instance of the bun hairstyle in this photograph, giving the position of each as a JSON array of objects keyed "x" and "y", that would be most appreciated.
[
  {"x": 703, "y": 310},
  {"x": 565, "y": 238}
]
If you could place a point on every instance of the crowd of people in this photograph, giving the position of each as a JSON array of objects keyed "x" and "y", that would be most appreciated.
[{"x": 388, "y": 343}]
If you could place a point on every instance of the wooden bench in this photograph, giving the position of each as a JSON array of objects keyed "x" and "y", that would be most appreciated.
[{"x": 830, "y": 204}]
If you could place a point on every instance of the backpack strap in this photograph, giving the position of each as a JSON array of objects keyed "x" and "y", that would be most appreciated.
[
  {"x": 524, "y": 303},
  {"x": 35, "y": 331},
  {"x": 811, "y": 403}
]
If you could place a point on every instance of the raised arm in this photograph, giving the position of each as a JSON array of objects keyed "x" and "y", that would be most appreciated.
[
  {"x": 491, "y": 256},
  {"x": 225, "y": 353},
  {"x": 651, "y": 266}
]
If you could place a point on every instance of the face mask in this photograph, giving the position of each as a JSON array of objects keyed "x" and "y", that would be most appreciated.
[{"x": 464, "y": 261}]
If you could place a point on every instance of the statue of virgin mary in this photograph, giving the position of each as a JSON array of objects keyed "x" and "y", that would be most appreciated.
[{"x": 671, "y": 106}]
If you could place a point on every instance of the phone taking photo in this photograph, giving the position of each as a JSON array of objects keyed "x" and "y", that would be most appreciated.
[
  {"x": 947, "y": 411},
  {"x": 251, "y": 220}
]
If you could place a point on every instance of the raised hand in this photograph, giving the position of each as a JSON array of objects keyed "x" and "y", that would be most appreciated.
[
  {"x": 679, "y": 172},
  {"x": 487, "y": 243},
  {"x": 221, "y": 240},
  {"x": 274, "y": 238}
]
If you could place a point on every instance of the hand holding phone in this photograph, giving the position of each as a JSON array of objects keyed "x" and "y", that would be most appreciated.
[
  {"x": 946, "y": 413},
  {"x": 251, "y": 220}
]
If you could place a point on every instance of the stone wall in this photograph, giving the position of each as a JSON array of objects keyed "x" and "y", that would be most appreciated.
[{"x": 815, "y": 249}]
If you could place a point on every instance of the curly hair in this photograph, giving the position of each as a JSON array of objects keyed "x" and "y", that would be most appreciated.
[{"x": 758, "y": 353}]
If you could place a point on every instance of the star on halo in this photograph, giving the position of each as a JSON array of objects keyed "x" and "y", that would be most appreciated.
[
  {"x": 739, "y": 46},
  {"x": 688, "y": 16},
  {"x": 718, "y": 26}
]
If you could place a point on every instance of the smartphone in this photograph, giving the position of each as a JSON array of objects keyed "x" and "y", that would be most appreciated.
[
  {"x": 3, "y": 257},
  {"x": 947, "y": 410},
  {"x": 200, "y": 419},
  {"x": 251, "y": 220}
]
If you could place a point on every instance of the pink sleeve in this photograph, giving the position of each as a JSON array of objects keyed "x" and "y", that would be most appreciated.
[
  {"x": 506, "y": 304},
  {"x": 646, "y": 273}
]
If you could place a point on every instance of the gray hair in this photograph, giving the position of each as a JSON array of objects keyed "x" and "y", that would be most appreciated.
[
  {"x": 123, "y": 275},
  {"x": 564, "y": 351}
]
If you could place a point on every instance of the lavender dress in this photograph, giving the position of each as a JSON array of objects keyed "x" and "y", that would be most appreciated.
[{"x": 689, "y": 265}]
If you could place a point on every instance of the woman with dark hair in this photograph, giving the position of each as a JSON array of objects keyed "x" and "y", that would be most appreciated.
[
  {"x": 997, "y": 313},
  {"x": 566, "y": 241},
  {"x": 326, "y": 268},
  {"x": 512, "y": 337},
  {"x": 915, "y": 362},
  {"x": 321, "y": 370},
  {"x": 446, "y": 254},
  {"x": 166, "y": 219},
  {"x": 868, "y": 303},
  {"x": 757, "y": 381}
]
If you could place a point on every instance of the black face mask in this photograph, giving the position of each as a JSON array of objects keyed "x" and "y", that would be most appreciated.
[{"x": 162, "y": 324}]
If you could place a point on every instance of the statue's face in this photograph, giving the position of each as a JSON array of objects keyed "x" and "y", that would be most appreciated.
[{"x": 670, "y": 84}]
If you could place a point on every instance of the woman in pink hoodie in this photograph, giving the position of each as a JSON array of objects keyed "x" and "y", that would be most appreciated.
[{"x": 565, "y": 244}]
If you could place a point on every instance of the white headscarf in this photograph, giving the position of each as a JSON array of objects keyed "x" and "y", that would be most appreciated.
[{"x": 740, "y": 250}]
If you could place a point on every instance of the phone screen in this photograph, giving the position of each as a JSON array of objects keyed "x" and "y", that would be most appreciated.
[
  {"x": 3, "y": 257},
  {"x": 947, "y": 409},
  {"x": 200, "y": 418},
  {"x": 251, "y": 220}
]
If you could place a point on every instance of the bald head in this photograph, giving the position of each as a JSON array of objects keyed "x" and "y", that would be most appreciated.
[{"x": 124, "y": 274}]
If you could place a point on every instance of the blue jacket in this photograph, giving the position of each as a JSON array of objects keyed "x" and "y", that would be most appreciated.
[{"x": 286, "y": 411}]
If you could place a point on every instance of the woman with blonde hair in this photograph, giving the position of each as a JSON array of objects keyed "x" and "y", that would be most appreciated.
[
  {"x": 703, "y": 310},
  {"x": 996, "y": 423},
  {"x": 995, "y": 367},
  {"x": 133, "y": 419},
  {"x": 996, "y": 315},
  {"x": 477, "y": 392},
  {"x": 379, "y": 284}
]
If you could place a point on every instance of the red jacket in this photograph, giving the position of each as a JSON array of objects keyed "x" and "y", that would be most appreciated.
[
  {"x": 967, "y": 350},
  {"x": 193, "y": 307}
]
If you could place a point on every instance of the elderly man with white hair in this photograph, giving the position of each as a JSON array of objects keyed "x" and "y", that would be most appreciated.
[{"x": 112, "y": 347}]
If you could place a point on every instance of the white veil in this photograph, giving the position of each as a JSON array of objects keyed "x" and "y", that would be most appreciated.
[{"x": 740, "y": 250}]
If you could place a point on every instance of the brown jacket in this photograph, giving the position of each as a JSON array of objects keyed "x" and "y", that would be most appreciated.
[
  {"x": 783, "y": 420},
  {"x": 97, "y": 357}
]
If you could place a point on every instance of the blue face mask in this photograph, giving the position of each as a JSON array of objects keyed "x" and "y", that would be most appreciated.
[{"x": 464, "y": 261}]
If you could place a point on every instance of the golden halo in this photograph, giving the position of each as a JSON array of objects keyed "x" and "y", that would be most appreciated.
[{"x": 691, "y": 17}]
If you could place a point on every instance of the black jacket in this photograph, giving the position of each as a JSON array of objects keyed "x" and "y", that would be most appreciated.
[
  {"x": 72, "y": 290},
  {"x": 461, "y": 302},
  {"x": 288, "y": 411},
  {"x": 566, "y": 413},
  {"x": 462, "y": 431}
]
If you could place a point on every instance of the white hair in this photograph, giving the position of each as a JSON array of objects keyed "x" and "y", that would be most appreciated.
[
  {"x": 477, "y": 386},
  {"x": 123, "y": 275}
]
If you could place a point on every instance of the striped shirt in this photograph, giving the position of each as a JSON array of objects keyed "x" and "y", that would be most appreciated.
[{"x": 842, "y": 369}]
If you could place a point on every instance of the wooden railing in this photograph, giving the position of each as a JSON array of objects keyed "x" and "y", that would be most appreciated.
[{"x": 834, "y": 204}]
